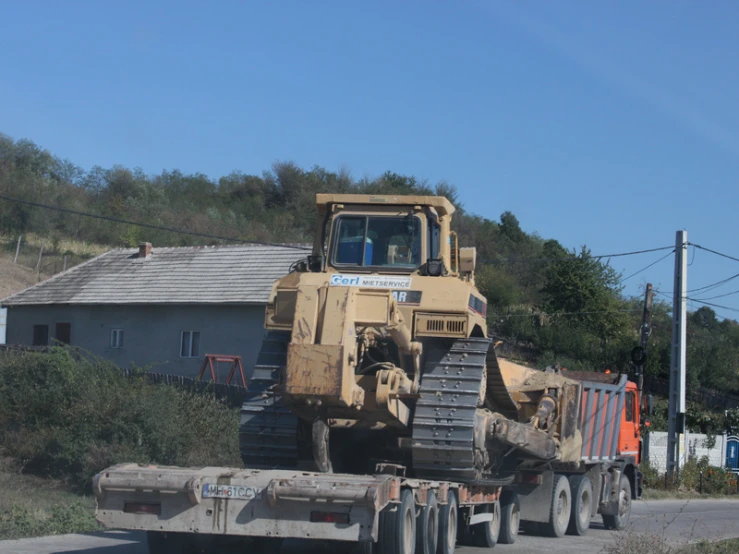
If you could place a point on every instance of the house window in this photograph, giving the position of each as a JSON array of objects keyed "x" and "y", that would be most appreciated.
[
  {"x": 116, "y": 338},
  {"x": 64, "y": 332},
  {"x": 40, "y": 335},
  {"x": 190, "y": 344}
]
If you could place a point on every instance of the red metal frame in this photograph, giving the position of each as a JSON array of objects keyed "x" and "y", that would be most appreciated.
[{"x": 212, "y": 359}]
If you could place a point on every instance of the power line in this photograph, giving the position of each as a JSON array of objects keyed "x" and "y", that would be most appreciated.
[
  {"x": 714, "y": 305},
  {"x": 568, "y": 313},
  {"x": 714, "y": 252},
  {"x": 147, "y": 225},
  {"x": 721, "y": 295},
  {"x": 571, "y": 257},
  {"x": 650, "y": 265}
]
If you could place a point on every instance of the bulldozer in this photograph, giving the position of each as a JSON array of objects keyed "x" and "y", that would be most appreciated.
[{"x": 376, "y": 354}]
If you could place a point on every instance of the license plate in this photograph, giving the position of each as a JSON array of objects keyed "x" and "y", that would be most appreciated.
[{"x": 235, "y": 492}]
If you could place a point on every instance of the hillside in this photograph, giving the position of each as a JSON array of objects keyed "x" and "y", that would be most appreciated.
[{"x": 14, "y": 277}]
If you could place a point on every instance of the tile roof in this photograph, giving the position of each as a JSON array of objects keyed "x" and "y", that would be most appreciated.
[{"x": 241, "y": 274}]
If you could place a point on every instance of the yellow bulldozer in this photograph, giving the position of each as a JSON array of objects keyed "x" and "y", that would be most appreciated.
[{"x": 376, "y": 353}]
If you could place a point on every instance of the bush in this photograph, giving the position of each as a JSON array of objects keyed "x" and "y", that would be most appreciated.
[
  {"x": 69, "y": 417},
  {"x": 18, "y": 522}
]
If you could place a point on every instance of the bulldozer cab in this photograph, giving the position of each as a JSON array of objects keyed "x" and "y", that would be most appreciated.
[{"x": 384, "y": 234}]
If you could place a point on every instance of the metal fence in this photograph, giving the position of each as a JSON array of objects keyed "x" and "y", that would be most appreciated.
[{"x": 233, "y": 395}]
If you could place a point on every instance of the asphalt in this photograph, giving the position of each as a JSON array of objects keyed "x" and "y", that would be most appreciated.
[{"x": 678, "y": 521}]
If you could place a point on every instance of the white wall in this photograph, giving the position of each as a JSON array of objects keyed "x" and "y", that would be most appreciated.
[{"x": 695, "y": 447}]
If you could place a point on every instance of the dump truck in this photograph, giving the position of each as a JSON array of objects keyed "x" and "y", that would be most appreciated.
[{"x": 379, "y": 413}]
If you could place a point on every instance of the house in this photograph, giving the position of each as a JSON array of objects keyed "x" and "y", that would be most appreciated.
[{"x": 164, "y": 307}]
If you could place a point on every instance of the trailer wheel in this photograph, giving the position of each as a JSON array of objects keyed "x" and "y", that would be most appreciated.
[
  {"x": 559, "y": 511},
  {"x": 448, "y": 515},
  {"x": 510, "y": 517},
  {"x": 398, "y": 526},
  {"x": 582, "y": 505},
  {"x": 160, "y": 542},
  {"x": 486, "y": 534},
  {"x": 619, "y": 520},
  {"x": 427, "y": 526}
]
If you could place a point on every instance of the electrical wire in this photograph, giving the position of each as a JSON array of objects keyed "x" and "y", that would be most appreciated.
[
  {"x": 714, "y": 252},
  {"x": 650, "y": 265},
  {"x": 713, "y": 305},
  {"x": 571, "y": 257},
  {"x": 720, "y": 295},
  {"x": 568, "y": 313},
  {"x": 147, "y": 225}
]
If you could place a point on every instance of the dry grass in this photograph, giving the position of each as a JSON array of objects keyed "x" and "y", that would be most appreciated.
[{"x": 14, "y": 278}]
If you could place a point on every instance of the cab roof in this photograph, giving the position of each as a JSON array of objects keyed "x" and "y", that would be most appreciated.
[{"x": 439, "y": 203}]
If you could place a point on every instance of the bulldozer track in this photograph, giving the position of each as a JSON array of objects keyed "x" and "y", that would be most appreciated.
[
  {"x": 268, "y": 430},
  {"x": 444, "y": 420}
]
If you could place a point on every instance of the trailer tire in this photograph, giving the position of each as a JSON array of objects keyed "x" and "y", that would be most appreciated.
[
  {"x": 448, "y": 520},
  {"x": 560, "y": 508},
  {"x": 398, "y": 526},
  {"x": 510, "y": 517},
  {"x": 427, "y": 526},
  {"x": 160, "y": 542},
  {"x": 620, "y": 519},
  {"x": 582, "y": 505},
  {"x": 485, "y": 535}
]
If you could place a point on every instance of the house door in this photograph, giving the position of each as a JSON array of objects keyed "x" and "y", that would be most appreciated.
[{"x": 732, "y": 453}]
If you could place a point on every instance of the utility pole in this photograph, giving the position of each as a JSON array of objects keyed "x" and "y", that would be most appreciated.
[
  {"x": 676, "y": 422},
  {"x": 641, "y": 359}
]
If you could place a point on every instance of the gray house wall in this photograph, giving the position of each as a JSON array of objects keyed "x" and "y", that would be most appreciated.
[{"x": 151, "y": 333}]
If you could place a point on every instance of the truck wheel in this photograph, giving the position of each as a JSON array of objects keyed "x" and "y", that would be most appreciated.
[
  {"x": 486, "y": 534},
  {"x": 510, "y": 517},
  {"x": 398, "y": 526},
  {"x": 582, "y": 498},
  {"x": 559, "y": 511},
  {"x": 160, "y": 542},
  {"x": 427, "y": 526},
  {"x": 448, "y": 515},
  {"x": 619, "y": 520}
]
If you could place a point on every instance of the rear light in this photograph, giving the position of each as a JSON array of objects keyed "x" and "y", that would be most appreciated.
[
  {"x": 329, "y": 517},
  {"x": 142, "y": 508}
]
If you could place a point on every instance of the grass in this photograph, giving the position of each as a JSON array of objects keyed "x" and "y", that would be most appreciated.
[
  {"x": 33, "y": 506},
  {"x": 660, "y": 494}
]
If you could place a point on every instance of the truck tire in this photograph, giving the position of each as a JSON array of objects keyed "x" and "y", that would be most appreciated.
[
  {"x": 560, "y": 508},
  {"x": 448, "y": 519},
  {"x": 620, "y": 519},
  {"x": 485, "y": 535},
  {"x": 398, "y": 527},
  {"x": 510, "y": 517},
  {"x": 581, "y": 490},
  {"x": 427, "y": 526}
]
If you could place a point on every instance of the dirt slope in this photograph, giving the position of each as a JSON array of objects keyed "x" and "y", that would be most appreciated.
[{"x": 14, "y": 278}]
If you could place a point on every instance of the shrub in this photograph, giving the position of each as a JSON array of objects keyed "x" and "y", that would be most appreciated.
[{"x": 67, "y": 416}]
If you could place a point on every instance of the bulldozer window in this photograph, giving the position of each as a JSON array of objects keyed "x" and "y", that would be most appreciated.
[{"x": 374, "y": 241}]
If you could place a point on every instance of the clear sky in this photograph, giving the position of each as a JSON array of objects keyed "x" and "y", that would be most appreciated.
[{"x": 606, "y": 124}]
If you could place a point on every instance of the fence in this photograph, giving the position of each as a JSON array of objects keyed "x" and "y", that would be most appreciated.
[
  {"x": 233, "y": 395},
  {"x": 695, "y": 446},
  {"x": 45, "y": 257}
]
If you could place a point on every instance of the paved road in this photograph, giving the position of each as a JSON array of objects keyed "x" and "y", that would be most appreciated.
[{"x": 678, "y": 520}]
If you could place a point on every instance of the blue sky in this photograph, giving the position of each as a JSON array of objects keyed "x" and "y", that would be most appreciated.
[{"x": 606, "y": 124}]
